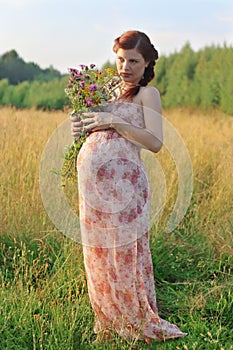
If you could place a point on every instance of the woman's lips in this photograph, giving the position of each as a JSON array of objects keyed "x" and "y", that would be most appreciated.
[{"x": 125, "y": 75}]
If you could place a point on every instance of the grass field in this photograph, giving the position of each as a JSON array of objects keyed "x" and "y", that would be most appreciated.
[{"x": 44, "y": 300}]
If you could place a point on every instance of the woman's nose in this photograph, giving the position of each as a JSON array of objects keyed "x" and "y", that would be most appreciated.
[{"x": 125, "y": 65}]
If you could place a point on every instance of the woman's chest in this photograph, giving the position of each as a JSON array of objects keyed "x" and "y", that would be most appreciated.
[{"x": 130, "y": 112}]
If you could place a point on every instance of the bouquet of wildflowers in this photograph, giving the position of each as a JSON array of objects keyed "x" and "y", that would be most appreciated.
[{"x": 87, "y": 89}]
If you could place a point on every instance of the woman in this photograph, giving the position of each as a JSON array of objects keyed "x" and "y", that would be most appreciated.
[{"x": 114, "y": 198}]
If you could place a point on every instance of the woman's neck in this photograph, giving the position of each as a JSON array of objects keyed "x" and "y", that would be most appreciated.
[{"x": 126, "y": 86}]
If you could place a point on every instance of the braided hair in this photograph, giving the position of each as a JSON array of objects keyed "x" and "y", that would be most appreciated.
[{"x": 133, "y": 39}]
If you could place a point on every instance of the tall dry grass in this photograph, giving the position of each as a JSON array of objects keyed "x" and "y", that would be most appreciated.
[
  {"x": 23, "y": 136},
  {"x": 207, "y": 135}
]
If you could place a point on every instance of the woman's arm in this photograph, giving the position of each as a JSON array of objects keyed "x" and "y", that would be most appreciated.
[{"x": 150, "y": 137}]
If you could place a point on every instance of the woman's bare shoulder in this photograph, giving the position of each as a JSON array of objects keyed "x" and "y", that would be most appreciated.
[
  {"x": 145, "y": 93},
  {"x": 149, "y": 91},
  {"x": 150, "y": 97}
]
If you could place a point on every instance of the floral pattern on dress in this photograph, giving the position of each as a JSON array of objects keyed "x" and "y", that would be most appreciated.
[{"x": 114, "y": 207}]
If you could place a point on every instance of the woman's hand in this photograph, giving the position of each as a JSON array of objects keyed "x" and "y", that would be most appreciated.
[
  {"x": 76, "y": 124},
  {"x": 97, "y": 120},
  {"x": 90, "y": 121}
]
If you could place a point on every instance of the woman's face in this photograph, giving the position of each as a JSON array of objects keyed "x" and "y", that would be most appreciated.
[{"x": 130, "y": 65}]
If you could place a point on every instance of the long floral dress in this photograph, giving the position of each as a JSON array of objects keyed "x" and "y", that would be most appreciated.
[{"x": 114, "y": 211}]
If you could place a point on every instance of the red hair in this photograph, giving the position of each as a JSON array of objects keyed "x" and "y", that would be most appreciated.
[{"x": 134, "y": 39}]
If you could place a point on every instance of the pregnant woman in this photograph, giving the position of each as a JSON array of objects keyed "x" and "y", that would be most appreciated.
[{"x": 114, "y": 198}]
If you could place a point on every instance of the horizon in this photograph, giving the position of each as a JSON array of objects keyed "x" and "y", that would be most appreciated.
[{"x": 220, "y": 45}]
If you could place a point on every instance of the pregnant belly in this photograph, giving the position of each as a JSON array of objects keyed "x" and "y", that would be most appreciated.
[{"x": 105, "y": 145}]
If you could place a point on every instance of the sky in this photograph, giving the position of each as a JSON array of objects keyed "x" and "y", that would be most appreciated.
[{"x": 67, "y": 33}]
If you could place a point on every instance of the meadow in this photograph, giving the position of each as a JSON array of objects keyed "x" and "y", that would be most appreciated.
[{"x": 44, "y": 301}]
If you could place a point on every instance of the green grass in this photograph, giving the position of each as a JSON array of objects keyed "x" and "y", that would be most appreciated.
[{"x": 44, "y": 303}]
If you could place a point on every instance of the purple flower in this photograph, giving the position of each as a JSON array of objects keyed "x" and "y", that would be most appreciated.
[
  {"x": 89, "y": 101},
  {"x": 82, "y": 83},
  {"x": 83, "y": 66},
  {"x": 78, "y": 76},
  {"x": 92, "y": 65},
  {"x": 69, "y": 85},
  {"x": 93, "y": 87},
  {"x": 73, "y": 70}
]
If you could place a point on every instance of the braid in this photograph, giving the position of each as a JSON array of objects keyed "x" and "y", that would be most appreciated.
[{"x": 148, "y": 74}]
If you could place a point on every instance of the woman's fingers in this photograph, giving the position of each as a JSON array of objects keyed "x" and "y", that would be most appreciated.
[
  {"x": 88, "y": 115},
  {"x": 75, "y": 131},
  {"x": 75, "y": 117},
  {"x": 77, "y": 124},
  {"x": 86, "y": 121},
  {"x": 77, "y": 127}
]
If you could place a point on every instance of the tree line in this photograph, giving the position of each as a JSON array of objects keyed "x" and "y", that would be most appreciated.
[
  {"x": 200, "y": 78},
  {"x": 16, "y": 70},
  {"x": 203, "y": 78}
]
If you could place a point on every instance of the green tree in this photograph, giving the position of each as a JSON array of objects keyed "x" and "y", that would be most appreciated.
[
  {"x": 16, "y": 70},
  {"x": 180, "y": 73},
  {"x": 226, "y": 79},
  {"x": 3, "y": 86}
]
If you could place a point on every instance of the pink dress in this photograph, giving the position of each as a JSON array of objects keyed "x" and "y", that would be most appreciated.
[{"x": 114, "y": 212}]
